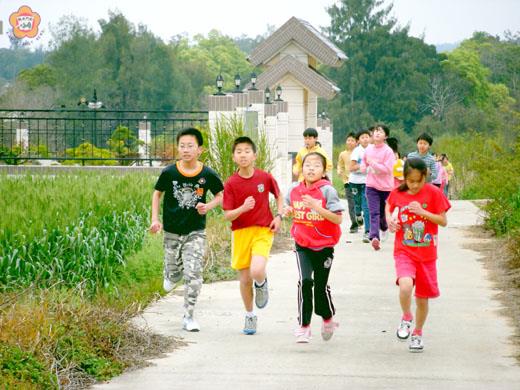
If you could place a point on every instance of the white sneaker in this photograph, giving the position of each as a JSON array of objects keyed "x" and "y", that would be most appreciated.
[
  {"x": 416, "y": 344},
  {"x": 261, "y": 295},
  {"x": 403, "y": 331},
  {"x": 327, "y": 329},
  {"x": 189, "y": 324},
  {"x": 303, "y": 334},
  {"x": 167, "y": 285},
  {"x": 384, "y": 235}
]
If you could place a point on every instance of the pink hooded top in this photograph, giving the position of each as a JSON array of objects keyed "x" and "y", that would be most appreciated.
[{"x": 378, "y": 162}]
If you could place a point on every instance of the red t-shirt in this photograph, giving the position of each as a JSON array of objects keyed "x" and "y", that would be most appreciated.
[
  {"x": 417, "y": 237},
  {"x": 237, "y": 189}
]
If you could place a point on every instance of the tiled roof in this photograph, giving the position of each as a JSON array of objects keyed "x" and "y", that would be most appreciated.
[
  {"x": 306, "y": 36},
  {"x": 307, "y": 76}
]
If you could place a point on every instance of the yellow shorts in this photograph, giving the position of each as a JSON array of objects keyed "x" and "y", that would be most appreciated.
[{"x": 248, "y": 242}]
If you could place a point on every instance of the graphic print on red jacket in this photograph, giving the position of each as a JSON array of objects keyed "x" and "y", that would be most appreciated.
[{"x": 309, "y": 229}]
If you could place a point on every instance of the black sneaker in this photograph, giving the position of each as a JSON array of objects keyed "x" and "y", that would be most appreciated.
[
  {"x": 359, "y": 220},
  {"x": 354, "y": 228}
]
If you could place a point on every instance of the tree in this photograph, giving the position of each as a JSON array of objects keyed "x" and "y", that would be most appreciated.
[{"x": 387, "y": 73}]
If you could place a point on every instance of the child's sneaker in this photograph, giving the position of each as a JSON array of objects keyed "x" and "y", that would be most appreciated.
[
  {"x": 167, "y": 285},
  {"x": 261, "y": 295},
  {"x": 403, "y": 331},
  {"x": 250, "y": 325},
  {"x": 327, "y": 329},
  {"x": 416, "y": 343},
  {"x": 359, "y": 220},
  {"x": 353, "y": 229},
  {"x": 376, "y": 244},
  {"x": 189, "y": 324},
  {"x": 384, "y": 235},
  {"x": 303, "y": 334},
  {"x": 366, "y": 238}
]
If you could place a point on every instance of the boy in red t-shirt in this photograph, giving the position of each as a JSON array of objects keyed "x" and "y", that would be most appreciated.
[
  {"x": 420, "y": 207},
  {"x": 246, "y": 204}
]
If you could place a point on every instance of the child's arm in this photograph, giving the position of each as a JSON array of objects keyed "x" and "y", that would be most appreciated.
[
  {"x": 341, "y": 165},
  {"x": 248, "y": 204},
  {"x": 203, "y": 208},
  {"x": 156, "y": 225},
  {"x": 393, "y": 222},
  {"x": 439, "y": 219},
  {"x": 315, "y": 204},
  {"x": 277, "y": 220},
  {"x": 329, "y": 164},
  {"x": 297, "y": 167}
]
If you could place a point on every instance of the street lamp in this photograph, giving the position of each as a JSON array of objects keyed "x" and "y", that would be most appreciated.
[
  {"x": 278, "y": 94},
  {"x": 220, "y": 84},
  {"x": 253, "y": 82},
  {"x": 237, "y": 83},
  {"x": 93, "y": 104},
  {"x": 267, "y": 95}
]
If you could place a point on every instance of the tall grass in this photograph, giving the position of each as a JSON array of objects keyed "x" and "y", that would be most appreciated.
[
  {"x": 219, "y": 154},
  {"x": 70, "y": 229}
]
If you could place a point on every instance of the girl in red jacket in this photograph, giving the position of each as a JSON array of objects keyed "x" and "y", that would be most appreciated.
[{"x": 316, "y": 210}]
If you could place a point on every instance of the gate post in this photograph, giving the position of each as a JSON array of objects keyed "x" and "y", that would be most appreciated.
[
  {"x": 144, "y": 139},
  {"x": 22, "y": 135}
]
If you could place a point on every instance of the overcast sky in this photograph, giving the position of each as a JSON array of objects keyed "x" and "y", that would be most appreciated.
[{"x": 439, "y": 21}]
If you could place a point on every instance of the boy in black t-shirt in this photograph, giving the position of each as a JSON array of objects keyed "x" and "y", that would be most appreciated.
[{"x": 185, "y": 185}]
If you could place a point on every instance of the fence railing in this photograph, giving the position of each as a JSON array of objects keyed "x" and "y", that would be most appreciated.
[{"x": 93, "y": 137}]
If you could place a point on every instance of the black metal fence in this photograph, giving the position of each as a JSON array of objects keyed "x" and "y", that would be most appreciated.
[{"x": 93, "y": 137}]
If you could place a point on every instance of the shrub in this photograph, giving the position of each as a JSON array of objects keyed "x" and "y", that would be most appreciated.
[
  {"x": 219, "y": 154},
  {"x": 88, "y": 153}
]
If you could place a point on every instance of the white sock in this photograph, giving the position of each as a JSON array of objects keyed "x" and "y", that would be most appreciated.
[
  {"x": 250, "y": 313},
  {"x": 260, "y": 284}
]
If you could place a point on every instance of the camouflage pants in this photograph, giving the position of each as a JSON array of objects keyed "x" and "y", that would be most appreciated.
[{"x": 183, "y": 256}]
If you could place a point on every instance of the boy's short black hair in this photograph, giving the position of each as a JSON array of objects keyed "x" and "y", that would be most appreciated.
[
  {"x": 351, "y": 135},
  {"x": 244, "y": 140},
  {"x": 310, "y": 132},
  {"x": 191, "y": 131},
  {"x": 361, "y": 132},
  {"x": 425, "y": 137}
]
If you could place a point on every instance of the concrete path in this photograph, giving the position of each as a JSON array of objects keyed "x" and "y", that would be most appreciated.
[{"x": 467, "y": 341}]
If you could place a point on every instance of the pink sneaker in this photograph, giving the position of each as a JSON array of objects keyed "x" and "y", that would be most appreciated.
[
  {"x": 376, "y": 244},
  {"x": 327, "y": 329},
  {"x": 303, "y": 334}
]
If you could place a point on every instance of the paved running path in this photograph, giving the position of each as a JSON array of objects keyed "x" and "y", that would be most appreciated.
[{"x": 467, "y": 341}]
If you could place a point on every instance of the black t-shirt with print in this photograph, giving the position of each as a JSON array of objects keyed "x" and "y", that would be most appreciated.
[{"x": 181, "y": 195}]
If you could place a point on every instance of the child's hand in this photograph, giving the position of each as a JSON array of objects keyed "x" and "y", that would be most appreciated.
[
  {"x": 310, "y": 202},
  {"x": 394, "y": 225},
  {"x": 288, "y": 211},
  {"x": 416, "y": 208},
  {"x": 202, "y": 208},
  {"x": 275, "y": 224},
  {"x": 155, "y": 227},
  {"x": 249, "y": 203}
]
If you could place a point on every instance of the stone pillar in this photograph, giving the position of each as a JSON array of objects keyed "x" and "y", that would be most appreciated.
[
  {"x": 324, "y": 128},
  {"x": 22, "y": 136},
  {"x": 145, "y": 138}
]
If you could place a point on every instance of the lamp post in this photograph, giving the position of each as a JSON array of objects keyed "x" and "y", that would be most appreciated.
[
  {"x": 93, "y": 105},
  {"x": 237, "y": 83},
  {"x": 278, "y": 94},
  {"x": 220, "y": 83},
  {"x": 267, "y": 93},
  {"x": 253, "y": 82}
]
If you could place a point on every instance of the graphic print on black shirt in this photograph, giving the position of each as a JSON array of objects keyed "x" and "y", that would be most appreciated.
[{"x": 181, "y": 195}]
